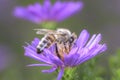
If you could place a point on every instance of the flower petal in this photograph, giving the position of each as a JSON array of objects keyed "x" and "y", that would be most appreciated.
[
  {"x": 34, "y": 55},
  {"x": 27, "y": 14},
  {"x": 53, "y": 57},
  {"x": 38, "y": 65},
  {"x": 46, "y": 10},
  {"x": 39, "y": 13},
  {"x": 60, "y": 74},
  {"x": 69, "y": 59},
  {"x": 69, "y": 9},
  {"x": 35, "y": 42},
  {"x": 82, "y": 39},
  {"x": 96, "y": 50},
  {"x": 95, "y": 41},
  {"x": 50, "y": 70}
]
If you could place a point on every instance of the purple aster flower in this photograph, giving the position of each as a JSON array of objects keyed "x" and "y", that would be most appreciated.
[
  {"x": 82, "y": 50},
  {"x": 47, "y": 11}
]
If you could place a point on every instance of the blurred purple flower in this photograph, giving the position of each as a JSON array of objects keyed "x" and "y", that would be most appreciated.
[
  {"x": 6, "y": 57},
  {"x": 39, "y": 13},
  {"x": 82, "y": 51}
]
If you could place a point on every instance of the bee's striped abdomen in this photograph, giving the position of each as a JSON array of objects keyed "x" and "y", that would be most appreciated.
[
  {"x": 46, "y": 42},
  {"x": 41, "y": 46}
]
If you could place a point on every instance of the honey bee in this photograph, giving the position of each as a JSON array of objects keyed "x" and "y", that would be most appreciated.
[{"x": 60, "y": 37}]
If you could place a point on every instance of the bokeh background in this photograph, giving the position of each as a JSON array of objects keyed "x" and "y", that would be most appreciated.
[{"x": 97, "y": 16}]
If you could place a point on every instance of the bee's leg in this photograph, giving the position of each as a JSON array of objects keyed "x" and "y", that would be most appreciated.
[
  {"x": 57, "y": 51},
  {"x": 67, "y": 47}
]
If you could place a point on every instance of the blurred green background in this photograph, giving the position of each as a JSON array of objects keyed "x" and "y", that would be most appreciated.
[{"x": 97, "y": 16}]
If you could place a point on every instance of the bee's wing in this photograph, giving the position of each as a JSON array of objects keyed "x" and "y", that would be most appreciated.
[{"x": 44, "y": 31}]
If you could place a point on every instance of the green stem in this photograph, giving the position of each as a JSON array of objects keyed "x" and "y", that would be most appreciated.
[{"x": 49, "y": 25}]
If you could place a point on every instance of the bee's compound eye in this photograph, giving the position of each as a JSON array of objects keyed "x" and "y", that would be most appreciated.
[{"x": 71, "y": 39}]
